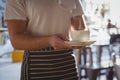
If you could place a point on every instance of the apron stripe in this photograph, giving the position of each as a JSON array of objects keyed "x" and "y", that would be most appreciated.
[{"x": 49, "y": 65}]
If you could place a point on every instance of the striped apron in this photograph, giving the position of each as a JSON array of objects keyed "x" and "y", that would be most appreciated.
[{"x": 48, "y": 64}]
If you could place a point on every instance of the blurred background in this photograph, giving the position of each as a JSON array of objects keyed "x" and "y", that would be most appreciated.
[{"x": 101, "y": 58}]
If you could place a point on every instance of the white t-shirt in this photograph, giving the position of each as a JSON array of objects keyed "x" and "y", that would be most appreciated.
[{"x": 45, "y": 17}]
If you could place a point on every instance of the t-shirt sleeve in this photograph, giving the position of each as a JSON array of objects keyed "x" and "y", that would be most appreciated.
[
  {"x": 78, "y": 9},
  {"x": 15, "y": 10}
]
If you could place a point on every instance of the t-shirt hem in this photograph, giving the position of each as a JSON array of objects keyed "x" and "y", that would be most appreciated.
[{"x": 14, "y": 19}]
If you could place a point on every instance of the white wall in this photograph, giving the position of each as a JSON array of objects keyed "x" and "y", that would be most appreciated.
[{"x": 114, "y": 9}]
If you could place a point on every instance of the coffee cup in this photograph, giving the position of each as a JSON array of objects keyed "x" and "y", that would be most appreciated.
[{"x": 79, "y": 35}]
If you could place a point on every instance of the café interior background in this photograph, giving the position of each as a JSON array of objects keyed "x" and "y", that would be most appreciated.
[{"x": 97, "y": 13}]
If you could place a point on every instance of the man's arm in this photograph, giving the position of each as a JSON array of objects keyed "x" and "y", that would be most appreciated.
[{"x": 23, "y": 41}]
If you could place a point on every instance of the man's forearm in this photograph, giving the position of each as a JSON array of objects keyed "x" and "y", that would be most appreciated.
[{"x": 28, "y": 42}]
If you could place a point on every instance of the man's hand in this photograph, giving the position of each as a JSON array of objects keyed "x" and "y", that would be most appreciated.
[
  {"x": 57, "y": 41},
  {"x": 78, "y": 23}
]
